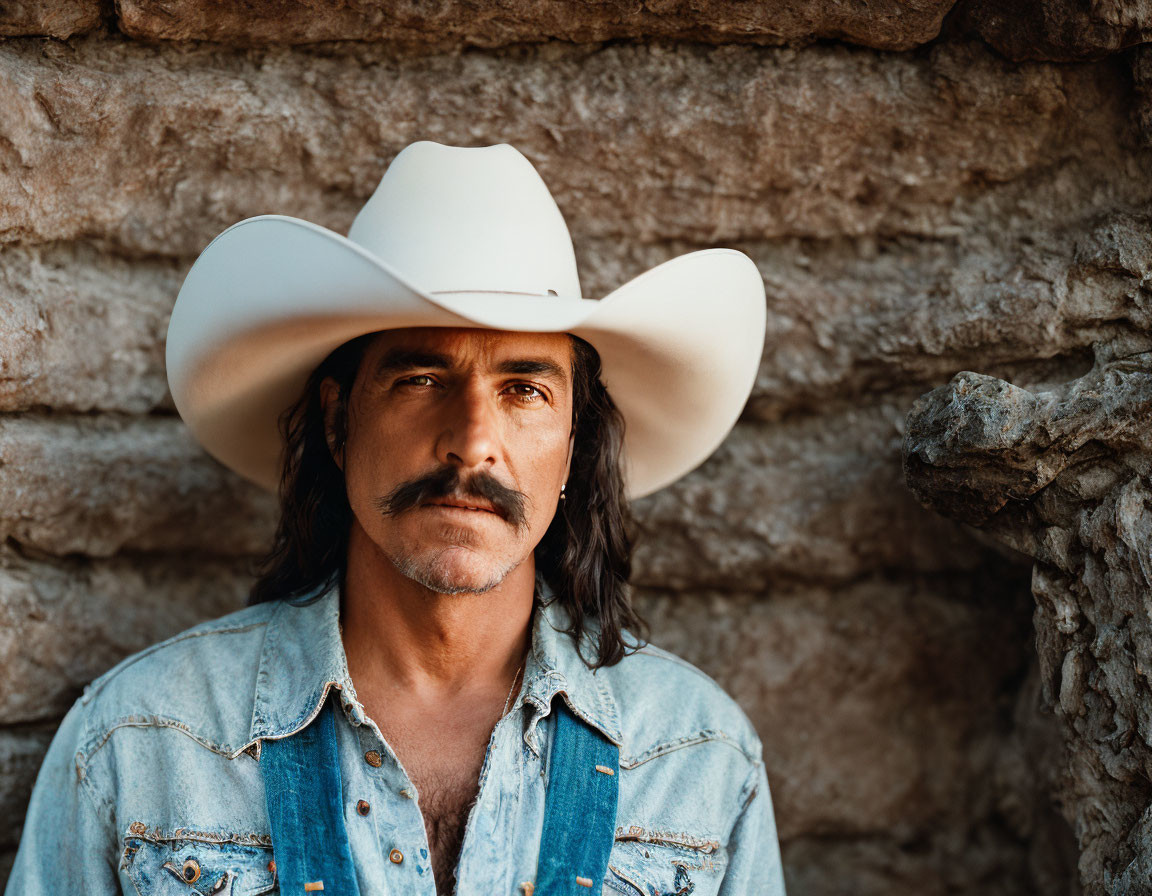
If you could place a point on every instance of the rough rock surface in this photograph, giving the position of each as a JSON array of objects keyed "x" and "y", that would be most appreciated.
[
  {"x": 1060, "y": 30},
  {"x": 1142, "y": 90},
  {"x": 795, "y": 500},
  {"x": 96, "y": 486},
  {"x": 702, "y": 144},
  {"x": 82, "y": 330},
  {"x": 444, "y": 24},
  {"x": 1065, "y": 476},
  {"x": 51, "y": 18}
]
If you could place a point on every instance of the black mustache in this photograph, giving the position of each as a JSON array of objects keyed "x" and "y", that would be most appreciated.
[{"x": 447, "y": 483}]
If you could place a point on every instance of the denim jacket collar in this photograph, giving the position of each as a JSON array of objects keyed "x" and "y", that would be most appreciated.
[
  {"x": 555, "y": 666},
  {"x": 303, "y": 657}
]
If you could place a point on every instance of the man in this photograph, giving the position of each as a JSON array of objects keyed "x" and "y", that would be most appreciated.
[{"x": 438, "y": 686}]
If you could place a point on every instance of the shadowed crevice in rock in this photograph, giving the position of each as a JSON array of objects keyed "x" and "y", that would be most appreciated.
[
  {"x": 1059, "y": 30},
  {"x": 1065, "y": 476}
]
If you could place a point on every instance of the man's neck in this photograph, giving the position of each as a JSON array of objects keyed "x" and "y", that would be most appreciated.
[{"x": 404, "y": 641}]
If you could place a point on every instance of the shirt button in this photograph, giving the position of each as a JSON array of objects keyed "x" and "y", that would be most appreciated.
[
  {"x": 363, "y": 808},
  {"x": 406, "y": 793},
  {"x": 373, "y": 759},
  {"x": 396, "y": 857}
]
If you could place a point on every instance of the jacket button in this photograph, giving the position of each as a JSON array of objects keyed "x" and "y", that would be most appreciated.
[
  {"x": 191, "y": 871},
  {"x": 406, "y": 793},
  {"x": 396, "y": 857},
  {"x": 373, "y": 759},
  {"x": 363, "y": 808}
]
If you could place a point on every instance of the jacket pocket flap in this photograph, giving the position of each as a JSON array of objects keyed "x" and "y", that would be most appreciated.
[
  {"x": 185, "y": 867},
  {"x": 660, "y": 869}
]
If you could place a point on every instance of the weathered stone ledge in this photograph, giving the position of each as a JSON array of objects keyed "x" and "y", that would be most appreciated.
[
  {"x": 51, "y": 18},
  {"x": 156, "y": 152},
  {"x": 98, "y": 485},
  {"x": 847, "y": 322},
  {"x": 450, "y": 24},
  {"x": 1058, "y": 30},
  {"x": 84, "y": 330}
]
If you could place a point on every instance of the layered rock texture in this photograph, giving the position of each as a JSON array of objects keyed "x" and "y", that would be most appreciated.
[
  {"x": 1064, "y": 474},
  {"x": 921, "y": 560}
]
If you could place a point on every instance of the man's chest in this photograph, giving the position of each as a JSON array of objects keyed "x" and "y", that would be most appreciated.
[
  {"x": 190, "y": 818},
  {"x": 443, "y": 762}
]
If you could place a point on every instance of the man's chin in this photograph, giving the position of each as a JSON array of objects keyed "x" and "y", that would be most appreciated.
[{"x": 443, "y": 576}]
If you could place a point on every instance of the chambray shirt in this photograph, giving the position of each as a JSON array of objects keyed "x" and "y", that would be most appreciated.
[{"x": 152, "y": 784}]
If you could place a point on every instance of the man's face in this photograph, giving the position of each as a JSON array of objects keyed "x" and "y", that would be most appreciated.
[{"x": 457, "y": 444}]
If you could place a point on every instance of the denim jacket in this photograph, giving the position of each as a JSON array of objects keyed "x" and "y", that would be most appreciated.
[{"x": 152, "y": 784}]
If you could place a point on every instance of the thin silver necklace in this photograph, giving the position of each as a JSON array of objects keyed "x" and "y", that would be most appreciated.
[{"x": 508, "y": 699}]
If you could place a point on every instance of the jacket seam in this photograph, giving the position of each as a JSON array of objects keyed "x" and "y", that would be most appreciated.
[
  {"x": 101, "y": 808},
  {"x": 749, "y": 780},
  {"x": 93, "y": 745},
  {"x": 225, "y": 838},
  {"x": 743, "y": 802},
  {"x": 703, "y": 736}
]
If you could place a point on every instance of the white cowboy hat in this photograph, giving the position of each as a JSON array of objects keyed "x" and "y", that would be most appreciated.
[{"x": 457, "y": 237}]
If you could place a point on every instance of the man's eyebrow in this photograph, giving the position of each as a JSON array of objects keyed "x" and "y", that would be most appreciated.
[
  {"x": 406, "y": 358},
  {"x": 398, "y": 359},
  {"x": 533, "y": 367}
]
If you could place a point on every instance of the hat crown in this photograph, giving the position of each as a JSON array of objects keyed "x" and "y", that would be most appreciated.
[{"x": 453, "y": 218}]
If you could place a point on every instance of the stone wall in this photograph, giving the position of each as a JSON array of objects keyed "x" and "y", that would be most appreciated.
[{"x": 927, "y": 188}]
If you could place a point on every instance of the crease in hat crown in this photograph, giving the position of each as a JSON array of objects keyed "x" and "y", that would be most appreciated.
[{"x": 468, "y": 219}]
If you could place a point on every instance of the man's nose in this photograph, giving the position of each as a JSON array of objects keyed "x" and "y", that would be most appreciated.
[{"x": 471, "y": 435}]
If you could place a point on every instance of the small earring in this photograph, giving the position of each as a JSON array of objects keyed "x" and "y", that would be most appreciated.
[{"x": 562, "y": 495}]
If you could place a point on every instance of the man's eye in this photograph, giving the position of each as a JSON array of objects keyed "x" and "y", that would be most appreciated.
[
  {"x": 525, "y": 392},
  {"x": 420, "y": 379}
]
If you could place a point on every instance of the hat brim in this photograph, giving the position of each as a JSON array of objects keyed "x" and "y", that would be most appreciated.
[{"x": 272, "y": 296}]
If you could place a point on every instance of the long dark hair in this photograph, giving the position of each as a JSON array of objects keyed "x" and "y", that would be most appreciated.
[{"x": 585, "y": 555}]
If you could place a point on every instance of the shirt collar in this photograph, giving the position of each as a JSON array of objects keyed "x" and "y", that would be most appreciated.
[
  {"x": 554, "y": 666},
  {"x": 303, "y": 658}
]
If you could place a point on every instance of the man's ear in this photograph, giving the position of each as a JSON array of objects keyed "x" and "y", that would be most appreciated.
[{"x": 331, "y": 402}]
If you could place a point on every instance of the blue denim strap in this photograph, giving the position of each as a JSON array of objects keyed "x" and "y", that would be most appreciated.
[
  {"x": 310, "y": 844},
  {"x": 579, "y": 808},
  {"x": 306, "y": 811}
]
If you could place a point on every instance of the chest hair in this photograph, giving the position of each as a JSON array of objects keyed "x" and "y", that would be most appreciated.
[
  {"x": 445, "y": 805},
  {"x": 446, "y": 773}
]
